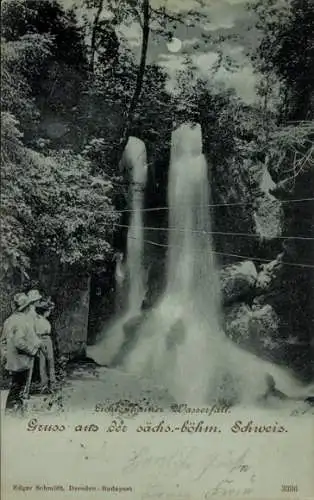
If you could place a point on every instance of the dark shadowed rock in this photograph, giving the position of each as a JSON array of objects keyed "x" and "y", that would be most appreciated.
[
  {"x": 268, "y": 275},
  {"x": 131, "y": 330},
  {"x": 238, "y": 281}
]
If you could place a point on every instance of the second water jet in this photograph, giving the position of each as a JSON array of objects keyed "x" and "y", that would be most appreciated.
[{"x": 131, "y": 275}]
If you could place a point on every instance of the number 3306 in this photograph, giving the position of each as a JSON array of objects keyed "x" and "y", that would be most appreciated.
[{"x": 289, "y": 488}]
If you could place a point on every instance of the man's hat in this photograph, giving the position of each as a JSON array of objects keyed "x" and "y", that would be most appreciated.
[
  {"x": 21, "y": 301},
  {"x": 34, "y": 296}
]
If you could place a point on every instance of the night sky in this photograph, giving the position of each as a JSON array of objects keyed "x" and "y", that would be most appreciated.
[{"x": 219, "y": 17}]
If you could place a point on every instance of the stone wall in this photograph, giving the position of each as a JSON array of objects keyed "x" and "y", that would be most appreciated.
[{"x": 71, "y": 318}]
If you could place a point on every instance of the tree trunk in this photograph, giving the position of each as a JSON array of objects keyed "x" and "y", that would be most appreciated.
[
  {"x": 94, "y": 35},
  {"x": 117, "y": 155}
]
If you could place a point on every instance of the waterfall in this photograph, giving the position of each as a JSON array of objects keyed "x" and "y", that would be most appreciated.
[
  {"x": 181, "y": 344},
  {"x": 191, "y": 259},
  {"x": 183, "y": 351},
  {"x": 136, "y": 153},
  {"x": 132, "y": 273},
  {"x": 192, "y": 278}
]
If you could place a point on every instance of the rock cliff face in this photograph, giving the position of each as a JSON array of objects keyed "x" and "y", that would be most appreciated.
[
  {"x": 249, "y": 319},
  {"x": 295, "y": 287},
  {"x": 268, "y": 212},
  {"x": 254, "y": 317}
]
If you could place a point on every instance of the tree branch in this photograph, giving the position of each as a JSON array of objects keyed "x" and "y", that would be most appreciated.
[
  {"x": 166, "y": 15},
  {"x": 138, "y": 16}
]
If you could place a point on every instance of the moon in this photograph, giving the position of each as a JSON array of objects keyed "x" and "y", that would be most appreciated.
[{"x": 175, "y": 45}]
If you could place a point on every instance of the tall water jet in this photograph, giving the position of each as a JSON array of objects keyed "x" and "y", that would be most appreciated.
[
  {"x": 191, "y": 261},
  {"x": 192, "y": 283},
  {"x": 136, "y": 154},
  {"x": 133, "y": 274}
]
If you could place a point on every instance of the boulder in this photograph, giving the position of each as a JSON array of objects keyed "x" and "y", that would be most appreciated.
[
  {"x": 238, "y": 281},
  {"x": 283, "y": 189},
  {"x": 237, "y": 322},
  {"x": 268, "y": 215},
  {"x": 259, "y": 302},
  {"x": 268, "y": 275},
  {"x": 267, "y": 219},
  {"x": 245, "y": 325},
  {"x": 264, "y": 323}
]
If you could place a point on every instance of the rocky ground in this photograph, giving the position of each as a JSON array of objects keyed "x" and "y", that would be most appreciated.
[{"x": 88, "y": 385}]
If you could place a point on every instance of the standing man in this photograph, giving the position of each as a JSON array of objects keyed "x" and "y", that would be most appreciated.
[
  {"x": 4, "y": 331},
  {"x": 8, "y": 321},
  {"x": 22, "y": 345}
]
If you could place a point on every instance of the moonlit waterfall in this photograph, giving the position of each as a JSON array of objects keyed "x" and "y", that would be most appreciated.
[
  {"x": 192, "y": 278},
  {"x": 131, "y": 274},
  {"x": 180, "y": 343},
  {"x": 191, "y": 270}
]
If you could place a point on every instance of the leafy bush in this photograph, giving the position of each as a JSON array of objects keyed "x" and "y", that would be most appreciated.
[{"x": 51, "y": 204}]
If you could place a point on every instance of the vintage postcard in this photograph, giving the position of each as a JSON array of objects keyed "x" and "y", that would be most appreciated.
[{"x": 157, "y": 234}]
